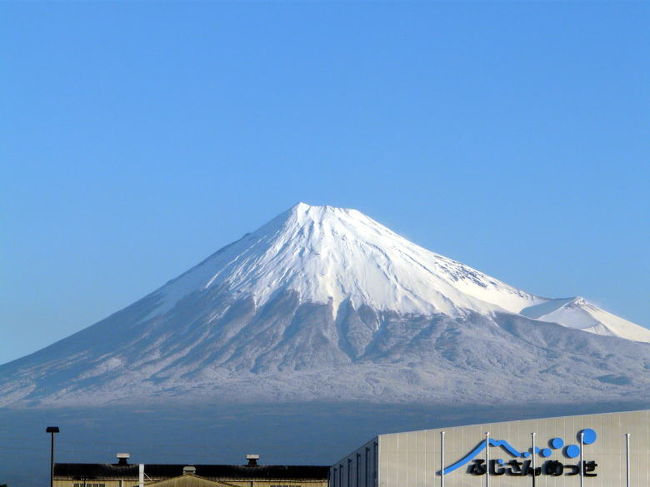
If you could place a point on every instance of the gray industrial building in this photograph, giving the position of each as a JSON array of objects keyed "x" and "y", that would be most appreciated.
[{"x": 597, "y": 450}]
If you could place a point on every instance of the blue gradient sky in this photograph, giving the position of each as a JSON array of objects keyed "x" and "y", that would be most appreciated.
[{"x": 137, "y": 138}]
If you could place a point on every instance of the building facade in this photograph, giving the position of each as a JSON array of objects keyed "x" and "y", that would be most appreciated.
[
  {"x": 599, "y": 450},
  {"x": 124, "y": 474}
]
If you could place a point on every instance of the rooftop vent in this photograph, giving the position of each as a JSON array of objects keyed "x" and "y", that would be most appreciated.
[
  {"x": 189, "y": 470},
  {"x": 122, "y": 458},
  {"x": 252, "y": 460}
]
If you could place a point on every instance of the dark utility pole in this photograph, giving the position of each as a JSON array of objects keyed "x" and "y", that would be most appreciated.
[{"x": 52, "y": 430}]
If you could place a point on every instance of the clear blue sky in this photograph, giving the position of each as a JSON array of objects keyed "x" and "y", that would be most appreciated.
[{"x": 137, "y": 138}]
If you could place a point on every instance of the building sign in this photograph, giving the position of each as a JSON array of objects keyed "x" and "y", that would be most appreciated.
[
  {"x": 523, "y": 468},
  {"x": 520, "y": 463}
]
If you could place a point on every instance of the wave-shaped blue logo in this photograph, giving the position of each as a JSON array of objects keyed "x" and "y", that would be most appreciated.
[{"x": 589, "y": 436}]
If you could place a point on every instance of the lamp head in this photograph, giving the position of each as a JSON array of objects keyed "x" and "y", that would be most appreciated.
[{"x": 52, "y": 429}]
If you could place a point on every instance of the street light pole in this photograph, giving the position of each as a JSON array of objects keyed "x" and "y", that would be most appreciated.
[{"x": 52, "y": 430}]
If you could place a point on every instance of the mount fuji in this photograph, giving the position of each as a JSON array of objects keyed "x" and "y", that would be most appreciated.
[{"x": 326, "y": 304}]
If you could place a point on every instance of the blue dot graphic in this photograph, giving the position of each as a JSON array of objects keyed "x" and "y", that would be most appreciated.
[
  {"x": 589, "y": 436},
  {"x": 500, "y": 461},
  {"x": 546, "y": 452},
  {"x": 572, "y": 451},
  {"x": 557, "y": 443},
  {"x": 525, "y": 454}
]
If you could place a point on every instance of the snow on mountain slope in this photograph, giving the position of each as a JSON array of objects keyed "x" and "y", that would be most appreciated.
[
  {"x": 581, "y": 314},
  {"x": 328, "y": 254},
  {"x": 324, "y": 303}
]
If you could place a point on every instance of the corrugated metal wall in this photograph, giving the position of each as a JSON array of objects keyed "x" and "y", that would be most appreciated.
[{"x": 413, "y": 459}]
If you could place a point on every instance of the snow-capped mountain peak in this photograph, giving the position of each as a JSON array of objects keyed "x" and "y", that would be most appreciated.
[
  {"x": 330, "y": 255},
  {"x": 326, "y": 303}
]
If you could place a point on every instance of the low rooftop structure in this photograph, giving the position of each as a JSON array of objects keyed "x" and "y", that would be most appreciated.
[{"x": 123, "y": 474}]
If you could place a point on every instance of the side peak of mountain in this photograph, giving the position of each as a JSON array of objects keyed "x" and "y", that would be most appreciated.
[{"x": 578, "y": 312}]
